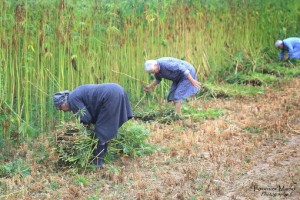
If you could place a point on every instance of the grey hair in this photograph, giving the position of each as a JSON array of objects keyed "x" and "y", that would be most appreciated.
[
  {"x": 149, "y": 65},
  {"x": 278, "y": 43}
]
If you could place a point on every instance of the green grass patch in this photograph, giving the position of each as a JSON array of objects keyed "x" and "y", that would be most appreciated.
[
  {"x": 164, "y": 114},
  {"x": 261, "y": 79},
  {"x": 251, "y": 130},
  {"x": 200, "y": 115},
  {"x": 81, "y": 181},
  {"x": 15, "y": 168},
  {"x": 287, "y": 70},
  {"x": 230, "y": 90},
  {"x": 54, "y": 185},
  {"x": 167, "y": 114},
  {"x": 253, "y": 79}
]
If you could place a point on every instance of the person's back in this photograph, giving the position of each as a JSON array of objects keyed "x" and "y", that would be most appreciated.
[
  {"x": 293, "y": 41},
  {"x": 290, "y": 48},
  {"x": 174, "y": 69},
  {"x": 92, "y": 96}
]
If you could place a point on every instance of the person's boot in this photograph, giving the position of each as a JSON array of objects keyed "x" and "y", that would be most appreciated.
[{"x": 99, "y": 154}]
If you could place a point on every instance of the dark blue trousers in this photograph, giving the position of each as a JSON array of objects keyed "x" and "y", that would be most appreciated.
[{"x": 99, "y": 154}]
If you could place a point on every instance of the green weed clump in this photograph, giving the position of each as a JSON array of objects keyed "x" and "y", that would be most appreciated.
[
  {"x": 130, "y": 141},
  {"x": 16, "y": 168}
]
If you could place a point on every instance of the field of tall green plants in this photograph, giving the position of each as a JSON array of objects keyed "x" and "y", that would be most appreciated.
[{"x": 52, "y": 45}]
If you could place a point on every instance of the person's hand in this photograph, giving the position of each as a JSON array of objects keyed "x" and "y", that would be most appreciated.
[
  {"x": 196, "y": 84},
  {"x": 147, "y": 88},
  {"x": 86, "y": 125},
  {"x": 193, "y": 81}
]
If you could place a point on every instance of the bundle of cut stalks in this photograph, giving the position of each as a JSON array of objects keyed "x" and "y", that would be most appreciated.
[
  {"x": 165, "y": 116},
  {"x": 74, "y": 145}
]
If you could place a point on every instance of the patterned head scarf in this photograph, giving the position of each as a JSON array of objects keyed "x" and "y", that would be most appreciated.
[
  {"x": 149, "y": 65},
  {"x": 60, "y": 98},
  {"x": 278, "y": 43}
]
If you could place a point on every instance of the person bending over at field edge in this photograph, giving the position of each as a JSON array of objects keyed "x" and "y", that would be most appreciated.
[
  {"x": 105, "y": 105},
  {"x": 181, "y": 73},
  {"x": 290, "y": 48}
]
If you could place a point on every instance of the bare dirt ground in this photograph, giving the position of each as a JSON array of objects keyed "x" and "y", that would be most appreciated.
[{"x": 251, "y": 152}]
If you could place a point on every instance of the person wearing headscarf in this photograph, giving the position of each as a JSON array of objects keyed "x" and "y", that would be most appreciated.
[
  {"x": 290, "y": 48},
  {"x": 181, "y": 73},
  {"x": 104, "y": 105}
]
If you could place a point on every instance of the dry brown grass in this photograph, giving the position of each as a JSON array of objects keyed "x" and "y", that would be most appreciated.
[{"x": 255, "y": 144}]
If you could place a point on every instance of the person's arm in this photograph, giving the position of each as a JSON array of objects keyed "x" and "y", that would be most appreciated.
[
  {"x": 85, "y": 116},
  {"x": 81, "y": 111},
  {"x": 151, "y": 85},
  {"x": 193, "y": 81},
  {"x": 188, "y": 75},
  {"x": 281, "y": 55}
]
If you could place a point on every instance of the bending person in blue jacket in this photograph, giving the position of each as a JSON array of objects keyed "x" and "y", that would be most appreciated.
[
  {"x": 181, "y": 73},
  {"x": 290, "y": 48},
  {"x": 105, "y": 105}
]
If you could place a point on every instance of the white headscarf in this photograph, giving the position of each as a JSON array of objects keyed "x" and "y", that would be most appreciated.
[
  {"x": 149, "y": 65},
  {"x": 278, "y": 43}
]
